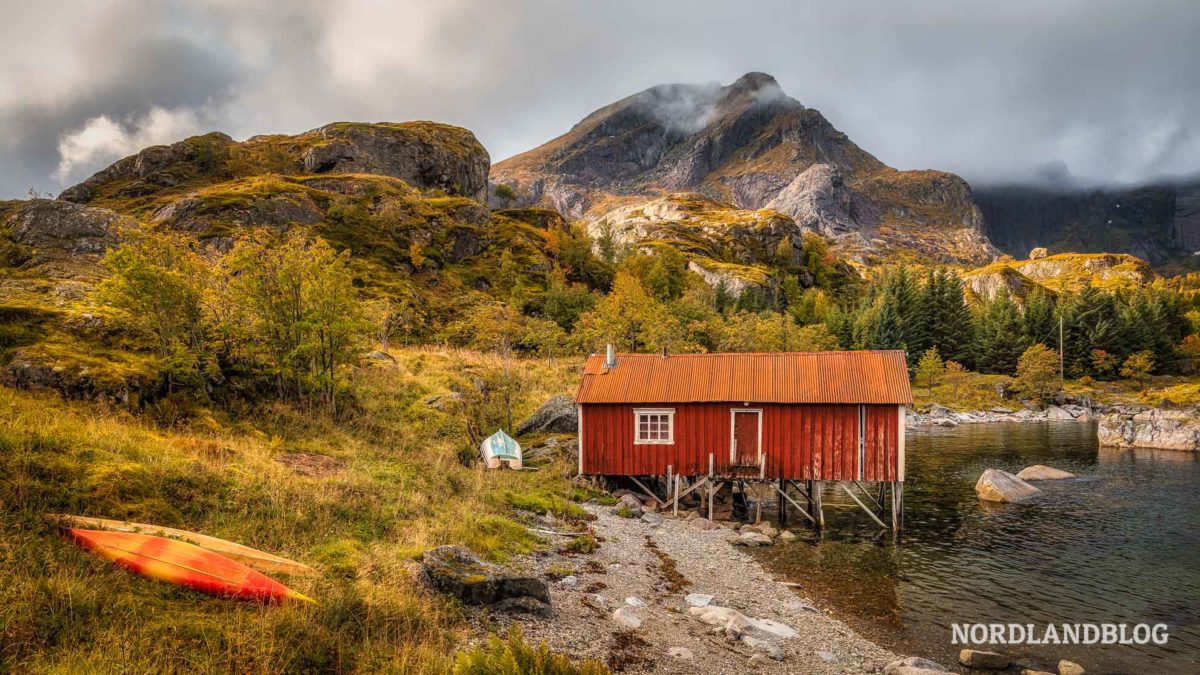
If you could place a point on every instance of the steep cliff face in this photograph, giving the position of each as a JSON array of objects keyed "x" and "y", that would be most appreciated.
[
  {"x": 752, "y": 146},
  {"x": 1159, "y": 223}
]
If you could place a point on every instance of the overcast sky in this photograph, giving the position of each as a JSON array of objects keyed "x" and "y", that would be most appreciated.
[{"x": 993, "y": 91}]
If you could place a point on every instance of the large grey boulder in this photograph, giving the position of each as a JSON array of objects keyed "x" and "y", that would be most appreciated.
[
  {"x": 556, "y": 415},
  {"x": 457, "y": 571},
  {"x": 995, "y": 485},
  {"x": 819, "y": 200}
]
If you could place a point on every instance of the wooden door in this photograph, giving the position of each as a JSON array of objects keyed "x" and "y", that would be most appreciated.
[{"x": 745, "y": 438}]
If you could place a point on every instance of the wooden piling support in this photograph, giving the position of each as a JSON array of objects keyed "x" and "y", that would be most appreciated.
[
  {"x": 782, "y": 502},
  {"x": 863, "y": 506},
  {"x": 675, "y": 507},
  {"x": 711, "y": 493},
  {"x": 817, "y": 507}
]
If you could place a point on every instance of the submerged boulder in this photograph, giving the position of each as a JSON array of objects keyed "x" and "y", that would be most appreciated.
[
  {"x": 1043, "y": 472},
  {"x": 457, "y": 571},
  {"x": 1001, "y": 486}
]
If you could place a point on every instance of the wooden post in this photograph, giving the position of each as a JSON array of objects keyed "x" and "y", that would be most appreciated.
[
  {"x": 676, "y": 500},
  {"x": 670, "y": 474},
  {"x": 711, "y": 495},
  {"x": 882, "y": 497},
  {"x": 782, "y": 503},
  {"x": 815, "y": 491}
]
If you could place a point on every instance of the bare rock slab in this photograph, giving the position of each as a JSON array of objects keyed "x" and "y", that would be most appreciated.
[
  {"x": 557, "y": 415},
  {"x": 1001, "y": 486},
  {"x": 1043, "y": 472}
]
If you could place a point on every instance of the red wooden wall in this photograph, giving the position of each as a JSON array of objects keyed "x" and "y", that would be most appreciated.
[{"x": 801, "y": 442}]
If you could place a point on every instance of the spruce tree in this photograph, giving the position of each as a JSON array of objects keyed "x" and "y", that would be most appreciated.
[{"x": 1000, "y": 341}]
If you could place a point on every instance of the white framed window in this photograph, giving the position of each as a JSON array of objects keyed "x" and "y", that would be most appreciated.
[{"x": 653, "y": 426}]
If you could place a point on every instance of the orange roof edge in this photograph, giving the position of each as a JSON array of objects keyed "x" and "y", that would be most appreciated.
[{"x": 838, "y": 377}]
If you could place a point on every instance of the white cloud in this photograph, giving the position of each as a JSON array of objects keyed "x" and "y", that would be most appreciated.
[{"x": 100, "y": 140}]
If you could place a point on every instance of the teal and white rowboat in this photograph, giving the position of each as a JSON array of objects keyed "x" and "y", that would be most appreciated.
[{"x": 500, "y": 449}]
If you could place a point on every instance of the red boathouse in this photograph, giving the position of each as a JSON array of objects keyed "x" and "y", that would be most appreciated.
[{"x": 786, "y": 417}]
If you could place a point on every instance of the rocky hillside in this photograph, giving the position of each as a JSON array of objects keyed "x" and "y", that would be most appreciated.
[
  {"x": 1159, "y": 223},
  {"x": 750, "y": 145},
  {"x": 1062, "y": 273},
  {"x": 404, "y": 199}
]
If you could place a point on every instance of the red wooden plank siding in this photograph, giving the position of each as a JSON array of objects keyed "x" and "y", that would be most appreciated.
[{"x": 801, "y": 442}]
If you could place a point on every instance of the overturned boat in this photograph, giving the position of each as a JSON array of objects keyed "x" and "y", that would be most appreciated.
[{"x": 500, "y": 450}]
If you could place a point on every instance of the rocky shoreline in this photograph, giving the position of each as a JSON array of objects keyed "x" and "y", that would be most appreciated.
[
  {"x": 1121, "y": 426},
  {"x": 671, "y": 595}
]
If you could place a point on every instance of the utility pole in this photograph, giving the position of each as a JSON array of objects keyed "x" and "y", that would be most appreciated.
[{"x": 1061, "y": 379}]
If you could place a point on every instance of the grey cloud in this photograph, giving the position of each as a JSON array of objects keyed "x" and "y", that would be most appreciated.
[{"x": 993, "y": 91}]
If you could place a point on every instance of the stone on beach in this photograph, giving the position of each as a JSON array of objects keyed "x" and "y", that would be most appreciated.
[
  {"x": 1043, "y": 472},
  {"x": 912, "y": 665},
  {"x": 626, "y": 618},
  {"x": 1066, "y": 667},
  {"x": 984, "y": 660},
  {"x": 787, "y": 535},
  {"x": 752, "y": 539},
  {"x": 1001, "y": 486},
  {"x": 737, "y": 624},
  {"x": 698, "y": 600},
  {"x": 680, "y": 653}
]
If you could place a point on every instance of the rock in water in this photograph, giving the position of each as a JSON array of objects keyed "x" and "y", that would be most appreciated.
[
  {"x": 1001, "y": 486},
  {"x": 457, "y": 571},
  {"x": 1153, "y": 428},
  {"x": 973, "y": 658},
  {"x": 1042, "y": 472},
  {"x": 556, "y": 415}
]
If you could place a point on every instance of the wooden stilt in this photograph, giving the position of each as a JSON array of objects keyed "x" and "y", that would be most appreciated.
[
  {"x": 675, "y": 507},
  {"x": 820, "y": 510},
  {"x": 670, "y": 481},
  {"x": 863, "y": 506},
  {"x": 782, "y": 502},
  {"x": 868, "y": 495},
  {"x": 647, "y": 491},
  {"x": 710, "y": 486},
  {"x": 787, "y": 498},
  {"x": 882, "y": 498}
]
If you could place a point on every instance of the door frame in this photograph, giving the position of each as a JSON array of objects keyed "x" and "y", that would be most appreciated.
[{"x": 733, "y": 413}]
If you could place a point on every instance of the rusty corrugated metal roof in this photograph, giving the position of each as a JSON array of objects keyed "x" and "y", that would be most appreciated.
[{"x": 780, "y": 377}]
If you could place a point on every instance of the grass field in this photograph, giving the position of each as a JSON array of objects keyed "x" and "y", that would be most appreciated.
[{"x": 402, "y": 490}]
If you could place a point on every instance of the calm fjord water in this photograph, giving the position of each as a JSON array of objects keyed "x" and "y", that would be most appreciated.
[{"x": 1120, "y": 544}]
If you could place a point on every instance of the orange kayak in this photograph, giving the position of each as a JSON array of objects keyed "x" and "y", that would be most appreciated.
[
  {"x": 184, "y": 564},
  {"x": 259, "y": 560}
]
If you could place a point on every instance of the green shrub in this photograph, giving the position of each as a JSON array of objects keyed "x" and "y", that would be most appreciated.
[{"x": 515, "y": 657}]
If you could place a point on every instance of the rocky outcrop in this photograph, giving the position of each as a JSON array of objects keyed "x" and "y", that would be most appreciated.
[
  {"x": 423, "y": 154},
  {"x": 752, "y": 146},
  {"x": 459, "y": 572},
  {"x": 60, "y": 235},
  {"x": 1152, "y": 428},
  {"x": 557, "y": 415},
  {"x": 1001, "y": 486},
  {"x": 79, "y": 376},
  {"x": 819, "y": 200},
  {"x": 984, "y": 660}
]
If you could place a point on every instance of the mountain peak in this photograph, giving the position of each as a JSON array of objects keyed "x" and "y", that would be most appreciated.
[{"x": 755, "y": 81}]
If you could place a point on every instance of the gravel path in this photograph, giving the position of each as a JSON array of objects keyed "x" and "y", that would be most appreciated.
[{"x": 635, "y": 561}]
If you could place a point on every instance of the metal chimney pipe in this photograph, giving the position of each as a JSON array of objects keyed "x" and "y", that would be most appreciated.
[{"x": 610, "y": 357}]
